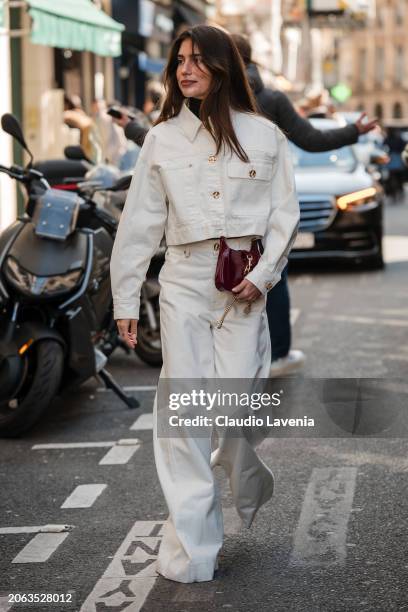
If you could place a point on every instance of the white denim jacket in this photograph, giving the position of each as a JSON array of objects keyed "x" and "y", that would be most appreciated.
[{"x": 181, "y": 188}]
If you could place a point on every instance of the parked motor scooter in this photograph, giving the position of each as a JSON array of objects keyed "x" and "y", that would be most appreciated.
[{"x": 56, "y": 322}]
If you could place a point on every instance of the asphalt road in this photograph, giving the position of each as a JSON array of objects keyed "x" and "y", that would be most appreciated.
[{"x": 86, "y": 520}]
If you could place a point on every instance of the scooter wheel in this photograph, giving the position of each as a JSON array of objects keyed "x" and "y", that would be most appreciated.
[{"x": 42, "y": 377}]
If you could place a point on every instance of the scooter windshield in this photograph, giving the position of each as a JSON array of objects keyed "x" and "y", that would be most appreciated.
[{"x": 56, "y": 214}]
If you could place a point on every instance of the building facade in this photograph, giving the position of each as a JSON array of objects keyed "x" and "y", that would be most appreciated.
[{"x": 373, "y": 62}]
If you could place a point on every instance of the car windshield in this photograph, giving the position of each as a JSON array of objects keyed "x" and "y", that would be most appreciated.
[{"x": 342, "y": 160}]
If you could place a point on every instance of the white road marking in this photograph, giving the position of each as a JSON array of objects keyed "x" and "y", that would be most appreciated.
[
  {"x": 132, "y": 388},
  {"x": 131, "y": 574},
  {"x": 40, "y": 548},
  {"x": 363, "y": 320},
  {"x": 294, "y": 314},
  {"x": 72, "y": 445},
  {"x": 4, "y": 603},
  {"x": 144, "y": 422},
  {"x": 84, "y": 496},
  {"x": 112, "y": 444},
  {"x": 396, "y": 357},
  {"x": 304, "y": 279},
  {"x": 399, "y": 312},
  {"x": 120, "y": 454},
  {"x": 35, "y": 529},
  {"x": 395, "y": 248},
  {"x": 320, "y": 537}
]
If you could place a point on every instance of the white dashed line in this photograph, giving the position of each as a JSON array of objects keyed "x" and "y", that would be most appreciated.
[
  {"x": 363, "y": 320},
  {"x": 35, "y": 529},
  {"x": 72, "y": 445},
  {"x": 84, "y": 496},
  {"x": 395, "y": 248},
  {"x": 304, "y": 279},
  {"x": 5, "y": 605},
  {"x": 119, "y": 454},
  {"x": 320, "y": 537},
  {"x": 130, "y": 442},
  {"x": 132, "y": 388},
  {"x": 40, "y": 548},
  {"x": 294, "y": 314},
  {"x": 144, "y": 422}
]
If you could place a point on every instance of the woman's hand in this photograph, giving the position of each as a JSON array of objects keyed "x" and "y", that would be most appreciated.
[
  {"x": 123, "y": 121},
  {"x": 364, "y": 127},
  {"x": 128, "y": 331},
  {"x": 246, "y": 291},
  {"x": 77, "y": 119}
]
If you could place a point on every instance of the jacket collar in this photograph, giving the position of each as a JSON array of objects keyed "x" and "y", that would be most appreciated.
[{"x": 189, "y": 123}]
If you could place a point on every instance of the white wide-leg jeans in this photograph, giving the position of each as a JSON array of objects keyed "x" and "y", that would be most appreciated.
[{"x": 193, "y": 348}]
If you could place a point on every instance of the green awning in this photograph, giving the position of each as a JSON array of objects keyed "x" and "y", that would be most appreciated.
[{"x": 75, "y": 24}]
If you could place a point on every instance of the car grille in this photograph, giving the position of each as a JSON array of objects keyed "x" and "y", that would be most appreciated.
[{"x": 316, "y": 213}]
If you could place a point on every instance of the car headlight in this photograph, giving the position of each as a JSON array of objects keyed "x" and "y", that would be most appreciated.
[
  {"x": 356, "y": 198},
  {"x": 42, "y": 286}
]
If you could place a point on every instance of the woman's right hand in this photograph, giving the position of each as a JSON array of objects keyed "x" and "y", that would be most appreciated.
[{"x": 128, "y": 331}]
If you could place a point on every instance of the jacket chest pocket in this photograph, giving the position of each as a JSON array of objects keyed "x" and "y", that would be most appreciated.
[
  {"x": 249, "y": 186},
  {"x": 179, "y": 177}
]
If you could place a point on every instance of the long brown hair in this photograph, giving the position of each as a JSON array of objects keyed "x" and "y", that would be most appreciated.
[{"x": 229, "y": 86}]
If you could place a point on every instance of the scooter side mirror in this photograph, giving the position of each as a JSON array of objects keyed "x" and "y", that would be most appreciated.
[
  {"x": 11, "y": 125},
  {"x": 75, "y": 152}
]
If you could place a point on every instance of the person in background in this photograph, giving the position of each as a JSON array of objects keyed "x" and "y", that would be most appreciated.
[
  {"x": 404, "y": 155},
  {"x": 113, "y": 141},
  {"x": 121, "y": 116},
  {"x": 395, "y": 145},
  {"x": 135, "y": 125},
  {"x": 154, "y": 100},
  {"x": 277, "y": 107},
  {"x": 76, "y": 117}
]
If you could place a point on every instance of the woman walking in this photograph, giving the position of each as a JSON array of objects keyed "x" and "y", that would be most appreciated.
[{"x": 211, "y": 167}]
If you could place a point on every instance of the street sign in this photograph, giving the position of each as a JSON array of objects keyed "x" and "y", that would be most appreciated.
[{"x": 341, "y": 92}]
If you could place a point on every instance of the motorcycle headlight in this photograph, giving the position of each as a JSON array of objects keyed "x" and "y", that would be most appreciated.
[
  {"x": 356, "y": 198},
  {"x": 41, "y": 286}
]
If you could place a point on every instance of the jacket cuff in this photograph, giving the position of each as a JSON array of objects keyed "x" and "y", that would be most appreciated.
[
  {"x": 265, "y": 279},
  {"x": 126, "y": 310}
]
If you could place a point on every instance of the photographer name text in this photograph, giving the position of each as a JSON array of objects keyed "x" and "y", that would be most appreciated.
[{"x": 247, "y": 421}]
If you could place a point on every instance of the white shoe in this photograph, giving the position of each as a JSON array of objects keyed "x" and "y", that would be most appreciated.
[{"x": 294, "y": 360}]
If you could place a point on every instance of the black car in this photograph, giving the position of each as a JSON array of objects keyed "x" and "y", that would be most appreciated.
[{"x": 341, "y": 206}]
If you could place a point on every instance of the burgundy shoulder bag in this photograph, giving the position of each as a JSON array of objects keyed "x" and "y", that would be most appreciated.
[{"x": 232, "y": 267}]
